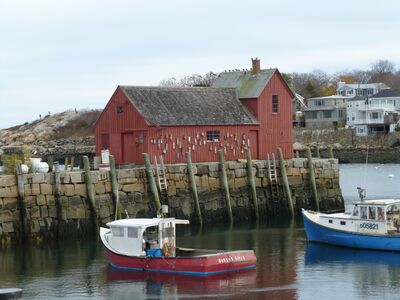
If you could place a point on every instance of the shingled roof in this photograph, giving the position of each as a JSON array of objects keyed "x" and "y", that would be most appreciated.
[
  {"x": 388, "y": 93},
  {"x": 248, "y": 84},
  {"x": 357, "y": 98},
  {"x": 189, "y": 106}
]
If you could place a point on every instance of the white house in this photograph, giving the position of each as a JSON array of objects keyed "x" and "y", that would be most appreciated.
[
  {"x": 359, "y": 89},
  {"x": 326, "y": 112},
  {"x": 375, "y": 114}
]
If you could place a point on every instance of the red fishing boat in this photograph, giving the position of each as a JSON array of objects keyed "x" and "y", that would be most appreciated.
[{"x": 149, "y": 245}]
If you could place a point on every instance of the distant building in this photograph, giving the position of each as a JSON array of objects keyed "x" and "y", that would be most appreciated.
[
  {"x": 326, "y": 112},
  {"x": 376, "y": 114},
  {"x": 359, "y": 89}
]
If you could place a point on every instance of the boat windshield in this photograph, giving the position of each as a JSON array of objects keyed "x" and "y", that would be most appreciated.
[
  {"x": 363, "y": 212},
  {"x": 381, "y": 213},
  {"x": 355, "y": 211},
  {"x": 370, "y": 212}
]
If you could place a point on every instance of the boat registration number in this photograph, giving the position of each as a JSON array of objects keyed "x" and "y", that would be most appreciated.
[{"x": 370, "y": 226}]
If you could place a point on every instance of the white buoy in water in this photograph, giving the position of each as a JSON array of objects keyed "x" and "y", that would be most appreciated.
[{"x": 391, "y": 175}]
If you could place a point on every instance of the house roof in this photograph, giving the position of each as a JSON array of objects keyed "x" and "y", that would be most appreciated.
[
  {"x": 248, "y": 84},
  {"x": 357, "y": 98},
  {"x": 387, "y": 94},
  {"x": 189, "y": 106},
  {"x": 379, "y": 85},
  {"x": 329, "y": 97},
  {"x": 318, "y": 108}
]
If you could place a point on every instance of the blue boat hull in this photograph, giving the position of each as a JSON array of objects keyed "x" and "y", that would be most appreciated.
[{"x": 322, "y": 234}]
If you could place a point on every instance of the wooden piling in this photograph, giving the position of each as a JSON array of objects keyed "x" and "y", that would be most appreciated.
[
  {"x": 224, "y": 180},
  {"x": 252, "y": 183},
  {"x": 90, "y": 193},
  {"x": 57, "y": 179},
  {"x": 285, "y": 182},
  {"x": 57, "y": 194},
  {"x": 66, "y": 161},
  {"x": 114, "y": 188},
  {"x": 151, "y": 181},
  {"x": 317, "y": 153},
  {"x": 330, "y": 152},
  {"x": 72, "y": 163},
  {"x": 312, "y": 178},
  {"x": 21, "y": 201},
  {"x": 50, "y": 162},
  {"x": 193, "y": 188}
]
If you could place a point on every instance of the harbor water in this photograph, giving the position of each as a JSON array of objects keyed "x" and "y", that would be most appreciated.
[{"x": 287, "y": 266}]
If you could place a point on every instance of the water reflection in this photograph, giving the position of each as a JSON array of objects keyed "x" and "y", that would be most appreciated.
[
  {"x": 160, "y": 284},
  {"x": 326, "y": 254},
  {"x": 350, "y": 273},
  {"x": 52, "y": 270}
]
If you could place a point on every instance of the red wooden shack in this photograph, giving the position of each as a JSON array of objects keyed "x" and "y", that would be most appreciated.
[{"x": 242, "y": 109}]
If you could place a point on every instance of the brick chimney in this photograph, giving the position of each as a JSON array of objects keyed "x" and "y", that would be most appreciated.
[{"x": 256, "y": 65}]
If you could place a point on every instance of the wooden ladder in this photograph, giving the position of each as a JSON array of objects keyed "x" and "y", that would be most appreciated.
[
  {"x": 273, "y": 181},
  {"x": 161, "y": 178}
]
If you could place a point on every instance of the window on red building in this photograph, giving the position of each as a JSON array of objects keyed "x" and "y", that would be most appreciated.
[
  {"x": 213, "y": 136},
  {"x": 275, "y": 103}
]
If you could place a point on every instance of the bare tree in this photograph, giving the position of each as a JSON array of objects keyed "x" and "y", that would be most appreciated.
[
  {"x": 171, "y": 82},
  {"x": 310, "y": 84},
  {"x": 382, "y": 66},
  {"x": 354, "y": 76},
  {"x": 190, "y": 81}
]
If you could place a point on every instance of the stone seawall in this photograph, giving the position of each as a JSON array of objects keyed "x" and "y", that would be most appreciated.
[
  {"x": 344, "y": 138},
  {"x": 349, "y": 148},
  {"x": 40, "y": 214}
]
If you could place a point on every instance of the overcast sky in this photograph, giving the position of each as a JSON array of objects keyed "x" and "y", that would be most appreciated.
[{"x": 59, "y": 55}]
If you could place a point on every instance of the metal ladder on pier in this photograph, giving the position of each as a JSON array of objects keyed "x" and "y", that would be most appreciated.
[
  {"x": 273, "y": 181},
  {"x": 161, "y": 178}
]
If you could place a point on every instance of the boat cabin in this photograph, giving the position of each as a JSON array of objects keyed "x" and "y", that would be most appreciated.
[
  {"x": 383, "y": 210},
  {"x": 143, "y": 237}
]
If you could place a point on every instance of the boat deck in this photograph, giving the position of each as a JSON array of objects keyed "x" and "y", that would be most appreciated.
[{"x": 189, "y": 252}]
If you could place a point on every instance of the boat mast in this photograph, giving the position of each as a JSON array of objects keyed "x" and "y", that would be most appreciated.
[{"x": 365, "y": 168}]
